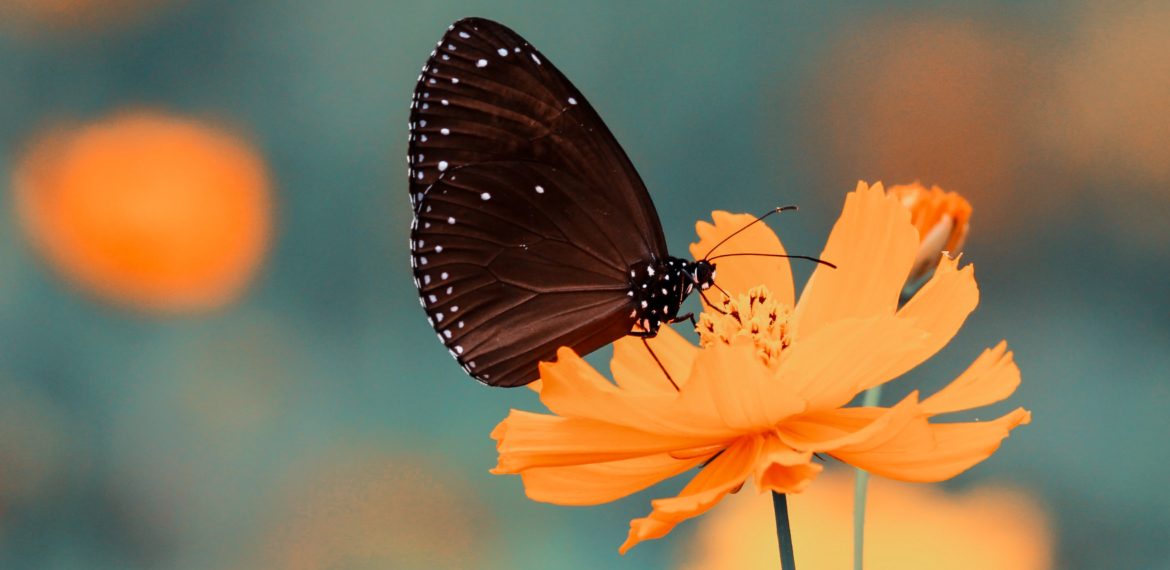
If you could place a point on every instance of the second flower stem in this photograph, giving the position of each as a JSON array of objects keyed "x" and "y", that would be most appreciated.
[{"x": 860, "y": 491}]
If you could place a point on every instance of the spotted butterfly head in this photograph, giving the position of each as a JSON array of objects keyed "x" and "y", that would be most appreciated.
[{"x": 703, "y": 274}]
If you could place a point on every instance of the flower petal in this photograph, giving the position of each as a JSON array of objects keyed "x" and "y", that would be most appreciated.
[
  {"x": 957, "y": 447},
  {"x": 724, "y": 474},
  {"x": 737, "y": 391},
  {"x": 873, "y": 245},
  {"x": 782, "y": 469},
  {"x": 738, "y": 274},
  {"x": 991, "y": 378},
  {"x": 846, "y": 357},
  {"x": 634, "y": 369},
  {"x": 602, "y": 482},
  {"x": 573, "y": 389},
  {"x": 525, "y": 440},
  {"x": 855, "y": 428},
  {"x": 940, "y": 308}
]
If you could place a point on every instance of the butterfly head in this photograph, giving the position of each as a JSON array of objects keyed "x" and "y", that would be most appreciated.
[{"x": 702, "y": 274}]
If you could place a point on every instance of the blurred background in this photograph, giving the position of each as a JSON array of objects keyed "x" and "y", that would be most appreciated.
[{"x": 250, "y": 383}]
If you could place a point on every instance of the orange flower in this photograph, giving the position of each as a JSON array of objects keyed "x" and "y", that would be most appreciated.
[
  {"x": 942, "y": 220},
  {"x": 910, "y": 527},
  {"x": 148, "y": 210},
  {"x": 770, "y": 385}
]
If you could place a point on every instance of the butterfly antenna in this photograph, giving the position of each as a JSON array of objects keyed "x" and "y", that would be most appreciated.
[
  {"x": 746, "y": 226},
  {"x": 804, "y": 257}
]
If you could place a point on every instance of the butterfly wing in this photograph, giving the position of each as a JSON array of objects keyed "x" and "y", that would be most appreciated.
[
  {"x": 505, "y": 281},
  {"x": 528, "y": 214}
]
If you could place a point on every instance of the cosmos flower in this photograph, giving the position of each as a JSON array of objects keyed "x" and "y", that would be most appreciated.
[
  {"x": 771, "y": 381},
  {"x": 160, "y": 213},
  {"x": 942, "y": 220},
  {"x": 912, "y": 527}
]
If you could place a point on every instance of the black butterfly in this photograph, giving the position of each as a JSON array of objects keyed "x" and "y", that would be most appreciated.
[{"x": 531, "y": 228}]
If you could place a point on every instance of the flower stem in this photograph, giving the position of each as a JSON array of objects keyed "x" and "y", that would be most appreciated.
[
  {"x": 783, "y": 531},
  {"x": 860, "y": 490}
]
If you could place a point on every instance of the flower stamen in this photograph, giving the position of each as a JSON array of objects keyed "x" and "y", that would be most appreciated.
[{"x": 755, "y": 315}]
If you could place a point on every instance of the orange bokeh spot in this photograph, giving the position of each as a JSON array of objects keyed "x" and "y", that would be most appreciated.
[
  {"x": 907, "y": 527},
  {"x": 75, "y": 15},
  {"x": 929, "y": 96},
  {"x": 147, "y": 210}
]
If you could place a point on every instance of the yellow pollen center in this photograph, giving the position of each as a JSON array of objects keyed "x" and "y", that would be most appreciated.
[{"x": 755, "y": 315}]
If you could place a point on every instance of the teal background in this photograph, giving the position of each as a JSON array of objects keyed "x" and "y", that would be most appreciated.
[{"x": 129, "y": 441}]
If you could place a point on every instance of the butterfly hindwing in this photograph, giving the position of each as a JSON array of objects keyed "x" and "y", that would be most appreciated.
[{"x": 504, "y": 281}]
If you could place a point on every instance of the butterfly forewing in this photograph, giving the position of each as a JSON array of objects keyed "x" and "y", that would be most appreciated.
[
  {"x": 505, "y": 281},
  {"x": 486, "y": 94}
]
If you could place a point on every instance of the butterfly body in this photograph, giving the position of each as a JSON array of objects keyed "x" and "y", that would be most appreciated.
[{"x": 531, "y": 228}]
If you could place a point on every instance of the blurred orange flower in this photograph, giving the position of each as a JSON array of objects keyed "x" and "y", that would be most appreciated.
[
  {"x": 909, "y": 527},
  {"x": 941, "y": 218},
  {"x": 148, "y": 210},
  {"x": 770, "y": 385},
  {"x": 75, "y": 15}
]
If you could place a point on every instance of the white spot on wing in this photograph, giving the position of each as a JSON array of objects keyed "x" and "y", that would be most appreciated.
[
  {"x": 572, "y": 101},
  {"x": 464, "y": 35},
  {"x": 502, "y": 51},
  {"x": 451, "y": 220},
  {"x": 481, "y": 63},
  {"x": 485, "y": 196},
  {"x": 539, "y": 189},
  {"x": 442, "y": 131},
  {"x": 442, "y": 165},
  {"x": 535, "y": 59}
]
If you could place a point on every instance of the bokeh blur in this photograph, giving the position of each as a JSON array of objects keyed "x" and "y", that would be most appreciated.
[{"x": 303, "y": 416}]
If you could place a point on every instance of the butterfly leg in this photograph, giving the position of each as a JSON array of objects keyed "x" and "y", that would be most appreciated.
[
  {"x": 686, "y": 317},
  {"x": 644, "y": 335}
]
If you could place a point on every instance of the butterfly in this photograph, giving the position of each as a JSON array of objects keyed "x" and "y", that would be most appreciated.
[{"x": 531, "y": 228}]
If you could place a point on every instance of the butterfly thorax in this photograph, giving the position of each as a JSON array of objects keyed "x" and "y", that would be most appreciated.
[{"x": 658, "y": 288}]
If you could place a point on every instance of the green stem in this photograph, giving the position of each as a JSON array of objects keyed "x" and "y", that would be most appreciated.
[
  {"x": 783, "y": 531},
  {"x": 860, "y": 490}
]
